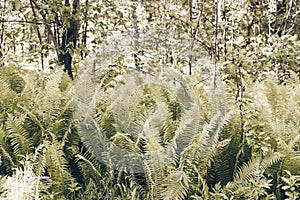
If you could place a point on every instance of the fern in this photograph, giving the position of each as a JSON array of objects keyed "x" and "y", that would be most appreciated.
[
  {"x": 145, "y": 121},
  {"x": 253, "y": 170},
  {"x": 57, "y": 167},
  {"x": 18, "y": 136},
  {"x": 157, "y": 165},
  {"x": 39, "y": 160},
  {"x": 23, "y": 184},
  {"x": 176, "y": 186},
  {"x": 6, "y": 151},
  {"x": 87, "y": 162}
]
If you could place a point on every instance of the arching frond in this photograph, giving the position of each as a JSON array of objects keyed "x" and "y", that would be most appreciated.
[
  {"x": 253, "y": 169},
  {"x": 57, "y": 167},
  {"x": 176, "y": 186},
  {"x": 18, "y": 136},
  {"x": 87, "y": 162},
  {"x": 38, "y": 159},
  {"x": 5, "y": 149}
]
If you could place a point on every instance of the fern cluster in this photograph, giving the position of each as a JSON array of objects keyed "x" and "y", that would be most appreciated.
[
  {"x": 262, "y": 146},
  {"x": 186, "y": 149}
]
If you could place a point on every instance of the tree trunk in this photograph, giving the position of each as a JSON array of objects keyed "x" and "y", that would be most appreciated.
[
  {"x": 2, "y": 32},
  {"x": 69, "y": 37}
]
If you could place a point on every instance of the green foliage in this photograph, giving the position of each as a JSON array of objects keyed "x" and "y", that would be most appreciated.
[
  {"x": 252, "y": 153},
  {"x": 40, "y": 126},
  {"x": 23, "y": 184},
  {"x": 291, "y": 185}
]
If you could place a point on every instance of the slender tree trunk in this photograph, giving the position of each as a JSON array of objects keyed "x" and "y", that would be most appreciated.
[
  {"x": 69, "y": 37},
  {"x": 136, "y": 36},
  {"x": 84, "y": 37},
  {"x": 2, "y": 32},
  {"x": 38, "y": 32},
  {"x": 191, "y": 19}
]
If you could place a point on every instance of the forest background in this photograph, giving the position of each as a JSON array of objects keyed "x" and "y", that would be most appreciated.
[{"x": 254, "y": 44}]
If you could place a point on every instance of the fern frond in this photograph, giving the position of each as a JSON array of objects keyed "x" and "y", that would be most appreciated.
[
  {"x": 18, "y": 136},
  {"x": 188, "y": 127},
  {"x": 52, "y": 84},
  {"x": 39, "y": 160},
  {"x": 63, "y": 124},
  {"x": 34, "y": 118},
  {"x": 23, "y": 184},
  {"x": 6, "y": 97},
  {"x": 5, "y": 148},
  {"x": 57, "y": 167},
  {"x": 157, "y": 163},
  {"x": 253, "y": 169},
  {"x": 87, "y": 162},
  {"x": 175, "y": 186},
  {"x": 17, "y": 83},
  {"x": 204, "y": 143}
]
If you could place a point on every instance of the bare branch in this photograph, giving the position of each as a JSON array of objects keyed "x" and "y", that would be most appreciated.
[{"x": 24, "y": 21}]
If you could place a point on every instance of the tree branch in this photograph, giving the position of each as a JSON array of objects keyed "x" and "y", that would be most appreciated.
[{"x": 24, "y": 21}]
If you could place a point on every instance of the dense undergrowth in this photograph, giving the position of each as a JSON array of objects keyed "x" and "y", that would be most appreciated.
[
  {"x": 250, "y": 151},
  {"x": 256, "y": 155}
]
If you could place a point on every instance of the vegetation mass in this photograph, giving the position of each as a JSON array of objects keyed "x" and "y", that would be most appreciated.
[{"x": 244, "y": 136}]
